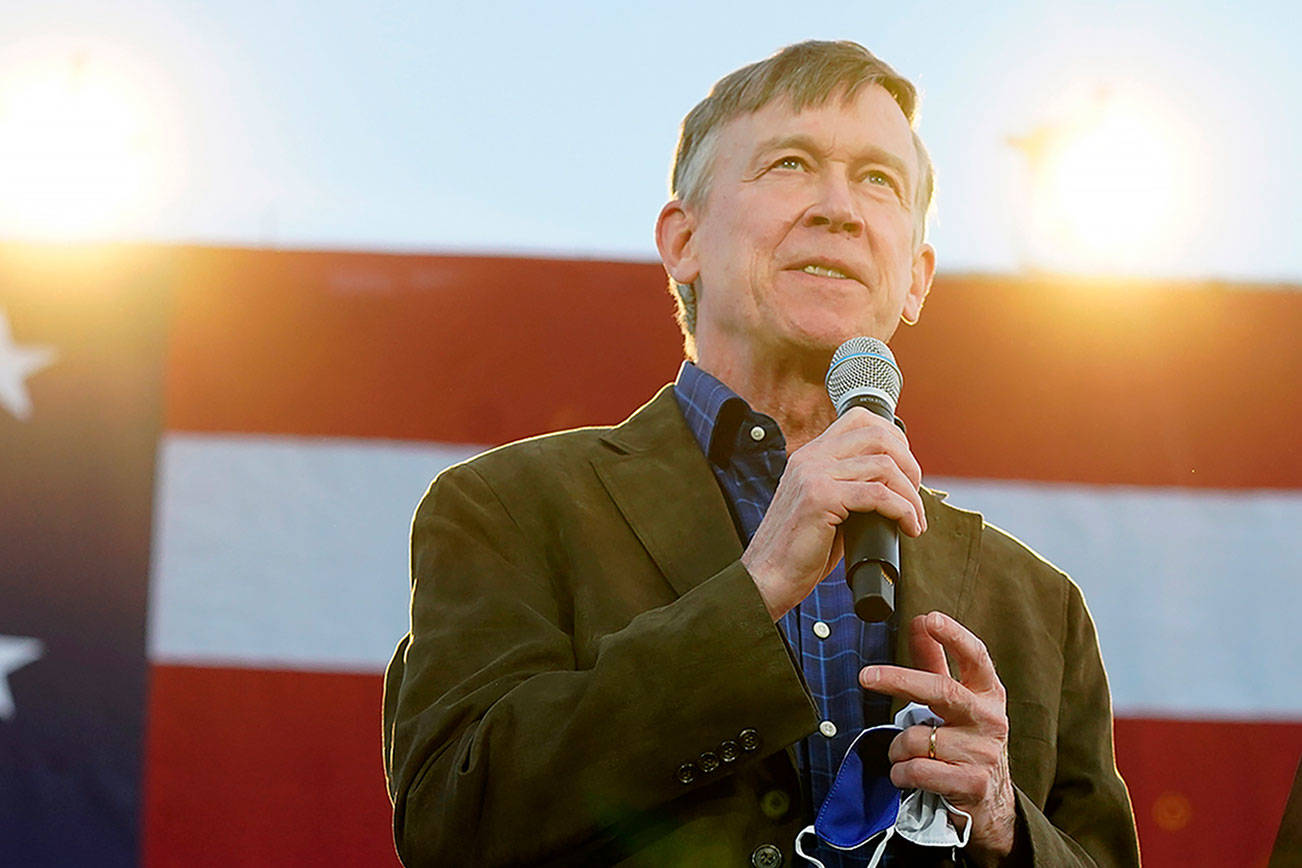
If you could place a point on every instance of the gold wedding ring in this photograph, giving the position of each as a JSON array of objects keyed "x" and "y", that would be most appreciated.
[{"x": 931, "y": 748}]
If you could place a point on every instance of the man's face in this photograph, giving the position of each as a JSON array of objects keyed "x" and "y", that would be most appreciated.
[{"x": 806, "y": 235}]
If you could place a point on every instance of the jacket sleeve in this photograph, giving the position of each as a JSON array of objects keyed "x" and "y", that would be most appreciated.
[
  {"x": 1087, "y": 819},
  {"x": 501, "y": 749}
]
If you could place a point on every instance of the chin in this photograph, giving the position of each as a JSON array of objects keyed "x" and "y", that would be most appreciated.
[
  {"x": 813, "y": 349},
  {"x": 832, "y": 335}
]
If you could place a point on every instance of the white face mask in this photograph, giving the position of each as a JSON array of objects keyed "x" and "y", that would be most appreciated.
[{"x": 863, "y": 804}]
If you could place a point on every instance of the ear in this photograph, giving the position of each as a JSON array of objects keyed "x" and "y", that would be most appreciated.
[
  {"x": 675, "y": 232},
  {"x": 924, "y": 269}
]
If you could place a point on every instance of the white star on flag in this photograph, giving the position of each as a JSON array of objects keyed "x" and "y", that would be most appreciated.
[
  {"x": 16, "y": 365},
  {"x": 15, "y": 653}
]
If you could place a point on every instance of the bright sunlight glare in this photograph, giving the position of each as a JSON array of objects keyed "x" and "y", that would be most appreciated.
[
  {"x": 1112, "y": 187},
  {"x": 83, "y": 147}
]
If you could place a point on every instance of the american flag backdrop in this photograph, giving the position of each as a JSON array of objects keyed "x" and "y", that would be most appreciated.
[{"x": 209, "y": 459}]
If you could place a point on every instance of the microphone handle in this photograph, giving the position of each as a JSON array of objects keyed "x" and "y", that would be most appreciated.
[
  {"x": 872, "y": 547},
  {"x": 872, "y": 564}
]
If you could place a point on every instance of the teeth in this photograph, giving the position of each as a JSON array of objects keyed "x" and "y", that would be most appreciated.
[{"x": 824, "y": 272}]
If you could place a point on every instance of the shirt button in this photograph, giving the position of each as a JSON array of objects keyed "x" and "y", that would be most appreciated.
[
  {"x": 757, "y": 434},
  {"x": 766, "y": 856},
  {"x": 729, "y": 751},
  {"x": 686, "y": 773},
  {"x": 827, "y": 728},
  {"x": 821, "y": 630},
  {"x": 709, "y": 761},
  {"x": 750, "y": 740}
]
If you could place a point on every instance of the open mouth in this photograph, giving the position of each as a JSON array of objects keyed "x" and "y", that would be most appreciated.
[{"x": 826, "y": 271}]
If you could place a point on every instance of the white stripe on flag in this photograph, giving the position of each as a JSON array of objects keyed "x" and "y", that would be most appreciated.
[
  {"x": 1194, "y": 591},
  {"x": 286, "y": 552}
]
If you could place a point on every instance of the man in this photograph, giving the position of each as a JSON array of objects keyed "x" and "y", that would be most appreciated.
[{"x": 634, "y": 645}]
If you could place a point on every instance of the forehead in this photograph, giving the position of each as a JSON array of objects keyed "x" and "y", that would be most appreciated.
[{"x": 845, "y": 127}]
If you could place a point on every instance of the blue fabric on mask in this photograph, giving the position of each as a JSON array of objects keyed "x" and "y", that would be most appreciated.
[
  {"x": 862, "y": 803},
  {"x": 862, "y": 800}
]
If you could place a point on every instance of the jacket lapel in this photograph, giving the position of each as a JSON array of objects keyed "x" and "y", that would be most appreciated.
[
  {"x": 937, "y": 570},
  {"x": 663, "y": 486}
]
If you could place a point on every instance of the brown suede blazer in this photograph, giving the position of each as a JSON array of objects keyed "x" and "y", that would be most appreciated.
[{"x": 581, "y": 627}]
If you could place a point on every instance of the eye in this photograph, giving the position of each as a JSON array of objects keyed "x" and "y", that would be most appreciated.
[
  {"x": 791, "y": 163},
  {"x": 881, "y": 178}
]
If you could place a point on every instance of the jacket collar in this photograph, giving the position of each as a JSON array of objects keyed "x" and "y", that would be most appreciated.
[{"x": 664, "y": 488}]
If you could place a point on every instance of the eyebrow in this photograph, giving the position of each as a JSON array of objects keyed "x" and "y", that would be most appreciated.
[{"x": 873, "y": 154}]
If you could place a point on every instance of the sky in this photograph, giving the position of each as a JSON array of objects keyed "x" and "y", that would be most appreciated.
[{"x": 548, "y": 128}]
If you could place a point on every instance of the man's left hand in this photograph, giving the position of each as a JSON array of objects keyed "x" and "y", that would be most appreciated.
[{"x": 970, "y": 764}]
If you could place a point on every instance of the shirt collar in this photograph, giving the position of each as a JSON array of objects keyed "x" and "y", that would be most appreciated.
[{"x": 715, "y": 414}]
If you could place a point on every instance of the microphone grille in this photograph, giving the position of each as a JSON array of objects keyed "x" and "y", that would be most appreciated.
[{"x": 863, "y": 366}]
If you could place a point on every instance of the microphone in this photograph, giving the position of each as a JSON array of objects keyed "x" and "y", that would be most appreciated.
[{"x": 863, "y": 373}]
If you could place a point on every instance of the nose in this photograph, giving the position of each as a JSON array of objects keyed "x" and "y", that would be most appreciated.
[{"x": 835, "y": 207}]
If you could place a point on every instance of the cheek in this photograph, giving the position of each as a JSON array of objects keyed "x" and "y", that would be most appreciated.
[
  {"x": 744, "y": 232},
  {"x": 747, "y": 241},
  {"x": 892, "y": 243}
]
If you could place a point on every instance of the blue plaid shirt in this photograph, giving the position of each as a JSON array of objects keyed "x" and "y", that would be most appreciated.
[{"x": 748, "y": 453}]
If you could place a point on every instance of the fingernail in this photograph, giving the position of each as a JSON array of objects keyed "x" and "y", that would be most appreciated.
[{"x": 868, "y": 676}]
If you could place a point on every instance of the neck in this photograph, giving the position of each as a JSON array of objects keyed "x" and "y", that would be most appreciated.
[{"x": 791, "y": 390}]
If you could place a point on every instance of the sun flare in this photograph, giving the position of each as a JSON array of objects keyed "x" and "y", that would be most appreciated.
[
  {"x": 1112, "y": 188},
  {"x": 83, "y": 147}
]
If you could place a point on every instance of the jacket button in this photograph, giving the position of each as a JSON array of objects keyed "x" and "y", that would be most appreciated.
[
  {"x": 750, "y": 740},
  {"x": 686, "y": 773},
  {"x": 709, "y": 762},
  {"x": 766, "y": 856},
  {"x": 729, "y": 751},
  {"x": 775, "y": 804}
]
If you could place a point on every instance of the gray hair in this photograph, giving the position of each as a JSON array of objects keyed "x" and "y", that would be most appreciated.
[{"x": 807, "y": 74}]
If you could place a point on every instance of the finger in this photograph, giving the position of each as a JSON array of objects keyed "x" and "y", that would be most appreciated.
[
  {"x": 865, "y": 434},
  {"x": 862, "y": 417},
  {"x": 875, "y": 466},
  {"x": 926, "y": 652},
  {"x": 975, "y": 667},
  {"x": 954, "y": 744},
  {"x": 878, "y": 497},
  {"x": 876, "y": 441},
  {"x": 942, "y": 694},
  {"x": 963, "y": 785},
  {"x": 863, "y": 471},
  {"x": 913, "y": 742}
]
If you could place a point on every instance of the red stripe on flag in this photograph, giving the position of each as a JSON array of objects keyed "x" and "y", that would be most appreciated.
[
  {"x": 1207, "y": 792},
  {"x": 1006, "y": 378},
  {"x": 255, "y": 767},
  {"x": 1108, "y": 382},
  {"x": 451, "y": 349}
]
